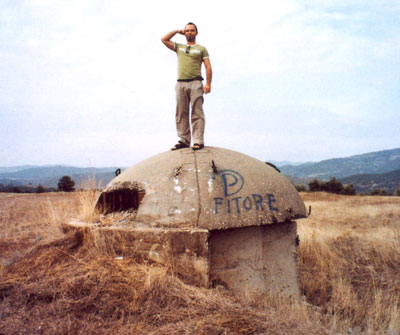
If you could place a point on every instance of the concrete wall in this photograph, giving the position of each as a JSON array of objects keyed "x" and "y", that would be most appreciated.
[{"x": 253, "y": 261}]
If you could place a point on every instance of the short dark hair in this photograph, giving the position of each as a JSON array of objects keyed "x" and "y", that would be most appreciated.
[{"x": 192, "y": 25}]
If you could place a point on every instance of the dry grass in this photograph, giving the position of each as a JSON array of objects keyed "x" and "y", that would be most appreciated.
[
  {"x": 53, "y": 283},
  {"x": 350, "y": 261},
  {"x": 27, "y": 219}
]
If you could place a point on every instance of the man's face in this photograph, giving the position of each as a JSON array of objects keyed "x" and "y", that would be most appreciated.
[{"x": 190, "y": 33}]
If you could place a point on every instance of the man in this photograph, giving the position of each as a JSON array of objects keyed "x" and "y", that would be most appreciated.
[{"x": 189, "y": 88}]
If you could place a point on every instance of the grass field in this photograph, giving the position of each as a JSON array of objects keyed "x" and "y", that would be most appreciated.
[{"x": 54, "y": 283}]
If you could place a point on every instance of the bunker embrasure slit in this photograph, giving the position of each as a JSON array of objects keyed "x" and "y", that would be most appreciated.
[{"x": 119, "y": 200}]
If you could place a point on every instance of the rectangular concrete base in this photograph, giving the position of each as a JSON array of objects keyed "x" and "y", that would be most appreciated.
[{"x": 249, "y": 261}]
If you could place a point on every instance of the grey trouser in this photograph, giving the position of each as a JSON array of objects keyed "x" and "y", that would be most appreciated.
[{"x": 190, "y": 93}]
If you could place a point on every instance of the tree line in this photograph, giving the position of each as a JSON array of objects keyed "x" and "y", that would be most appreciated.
[
  {"x": 336, "y": 187},
  {"x": 64, "y": 184}
]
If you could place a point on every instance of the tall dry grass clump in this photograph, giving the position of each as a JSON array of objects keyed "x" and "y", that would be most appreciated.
[
  {"x": 350, "y": 261},
  {"x": 87, "y": 196},
  {"x": 30, "y": 219}
]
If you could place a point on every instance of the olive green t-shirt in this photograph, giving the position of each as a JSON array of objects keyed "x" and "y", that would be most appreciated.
[{"x": 190, "y": 58}]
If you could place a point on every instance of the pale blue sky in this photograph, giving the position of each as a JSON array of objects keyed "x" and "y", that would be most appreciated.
[{"x": 89, "y": 83}]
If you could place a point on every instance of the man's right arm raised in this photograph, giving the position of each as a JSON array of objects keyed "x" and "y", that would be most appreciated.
[{"x": 167, "y": 38}]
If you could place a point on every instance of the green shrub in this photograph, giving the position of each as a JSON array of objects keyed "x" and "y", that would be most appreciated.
[
  {"x": 314, "y": 186},
  {"x": 300, "y": 188},
  {"x": 349, "y": 190},
  {"x": 379, "y": 192},
  {"x": 333, "y": 186},
  {"x": 66, "y": 184}
]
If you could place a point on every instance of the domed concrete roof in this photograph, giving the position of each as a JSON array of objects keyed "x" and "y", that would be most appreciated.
[{"x": 212, "y": 188}]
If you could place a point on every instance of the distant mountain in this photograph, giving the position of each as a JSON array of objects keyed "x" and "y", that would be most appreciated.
[
  {"x": 370, "y": 163},
  {"x": 286, "y": 163},
  {"x": 49, "y": 175},
  {"x": 375, "y": 170},
  {"x": 51, "y": 171},
  {"x": 365, "y": 183},
  {"x": 6, "y": 169}
]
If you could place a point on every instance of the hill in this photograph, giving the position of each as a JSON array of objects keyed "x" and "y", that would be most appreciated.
[
  {"x": 365, "y": 183},
  {"x": 33, "y": 173},
  {"x": 285, "y": 163},
  {"x": 370, "y": 163},
  {"x": 49, "y": 175},
  {"x": 375, "y": 170},
  {"x": 7, "y": 169}
]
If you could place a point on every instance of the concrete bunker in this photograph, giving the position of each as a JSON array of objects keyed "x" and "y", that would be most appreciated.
[{"x": 217, "y": 216}]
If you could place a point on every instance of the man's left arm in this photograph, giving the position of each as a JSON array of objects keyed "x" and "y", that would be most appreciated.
[{"x": 207, "y": 65}]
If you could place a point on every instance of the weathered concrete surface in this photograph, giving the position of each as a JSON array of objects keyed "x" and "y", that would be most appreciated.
[
  {"x": 256, "y": 260},
  {"x": 212, "y": 188}
]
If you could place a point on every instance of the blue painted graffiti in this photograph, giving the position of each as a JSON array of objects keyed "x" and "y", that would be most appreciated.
[
  {"x": 233, "y": 183},
  {"x": 255, "y": 201}
]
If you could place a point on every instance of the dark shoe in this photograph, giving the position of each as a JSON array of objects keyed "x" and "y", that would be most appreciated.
[
  {"x": 179, "y": 145},
  {"x": 197, "y": 146}
]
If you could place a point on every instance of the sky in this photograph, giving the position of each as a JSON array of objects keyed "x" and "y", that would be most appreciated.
[{"x": 89, "y": 83}]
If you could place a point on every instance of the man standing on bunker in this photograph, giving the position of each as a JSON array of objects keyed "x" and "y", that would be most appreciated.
[{"x": 189, "y": 88}]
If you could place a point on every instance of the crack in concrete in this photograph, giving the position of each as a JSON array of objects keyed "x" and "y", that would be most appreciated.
[{"x": 198, "y": 189}]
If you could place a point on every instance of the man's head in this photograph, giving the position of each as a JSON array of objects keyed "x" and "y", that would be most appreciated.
[{"x": 191, "y": 32}]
